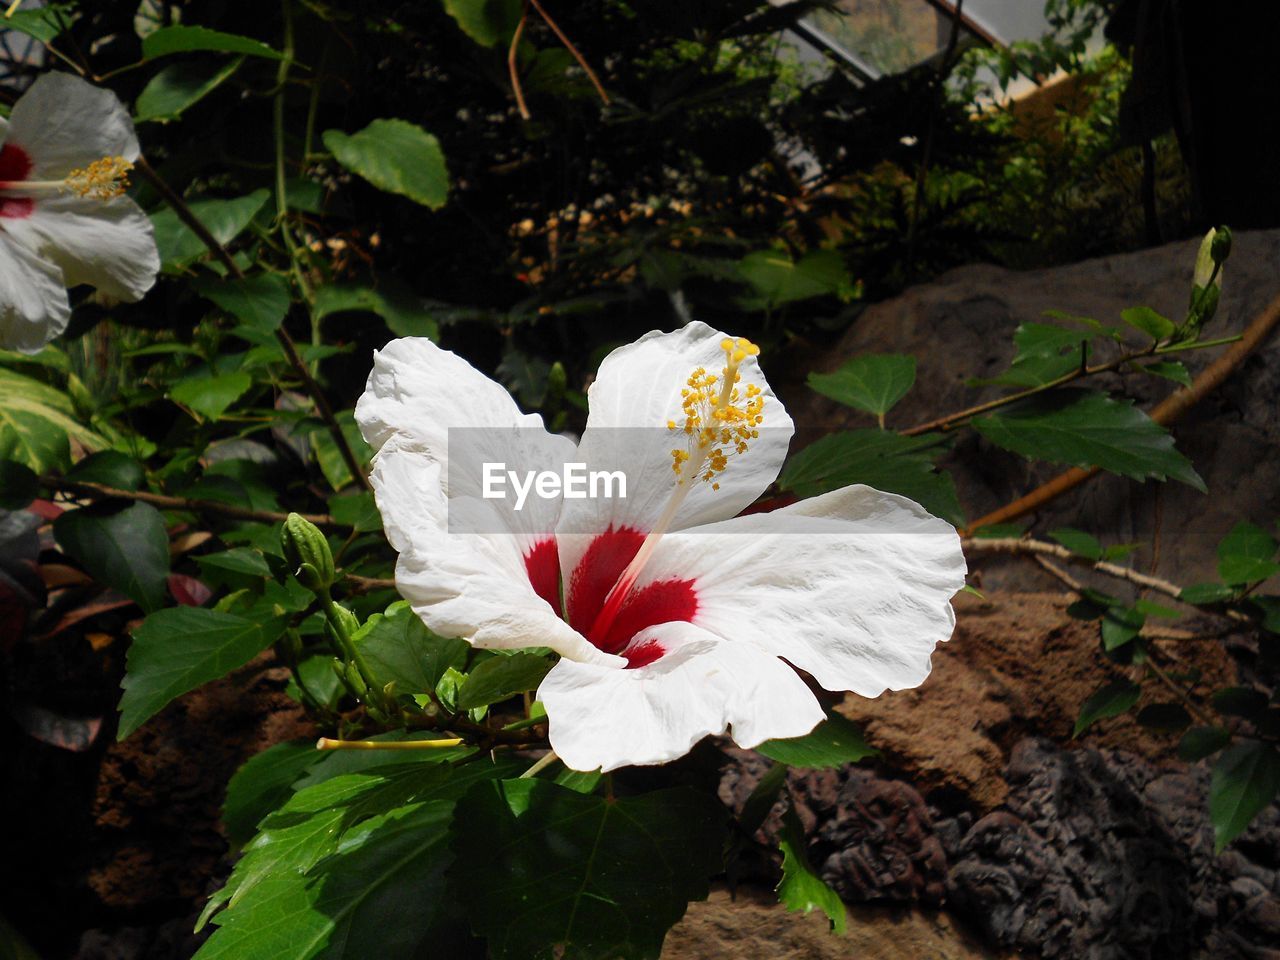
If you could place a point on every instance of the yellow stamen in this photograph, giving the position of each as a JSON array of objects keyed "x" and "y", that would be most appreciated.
[
  {"x": 102, "y": 180},
  {"x": 718, "y": 422}
]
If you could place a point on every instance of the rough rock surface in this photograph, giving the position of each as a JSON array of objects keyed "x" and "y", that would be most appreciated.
[
  {"x": 753, "y": 925},
  {"x": 961, "y": 326}
]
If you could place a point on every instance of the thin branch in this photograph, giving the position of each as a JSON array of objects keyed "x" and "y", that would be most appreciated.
[
  {"x": 188, "y": 217},
  {"x": 513, "y": 67},
  {"x": 101, "y": 491},
  {"x": 1166, "y": 413},
  {"x": 1192, "y": 707},
  {"x": 568, "y": 44},
  {"x": 359, "y": 584}
]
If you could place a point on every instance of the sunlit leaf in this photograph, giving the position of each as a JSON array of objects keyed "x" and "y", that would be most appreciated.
[
  {"x": 184, "y": 39},
  {"x": 396, "y": 156},
  {"x": 872, "y": 382},
  {"x": 801, "y": 889},
  {"x": 501, "y": 677},
  {"x": 833, "y": 743},
  {"x": 225, "y": 219},
  {"x": 211, "y": 396},
  {"x": 400, "y": 648},
  {"x": 180, "y": 86}
]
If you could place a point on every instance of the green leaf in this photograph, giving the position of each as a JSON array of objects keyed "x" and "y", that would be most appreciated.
[
  {"x": 1199, "y": 742},
  {"x": 357, "y": 510},
  {"x": 211, "y": 396},
  {"x": 1121, "y": 625},
  {"x": 544, "y": 871},
  {"x": 400, "y": 648},
  {"x": 260, "y": 302},
  {"x": 396, "y": 156},
  {"x": 872, "y": 382},
  {"x": 36, "y": 422},
  {"x": 329, "y": 457},
  {"x": 1154, "y": 325},
  {"x": 18, "y": 485},
  {"x": 777, "y": 279},
  {"x": 122, "y": 546},
  {"x": 1034, "y": 371},
  {"x": 1169, "y": 717},
  {"x": 1240, "y": 702},
  {"x": 1169, "y": 370},
  {"x": 237, "y": 560},
  {"x": 833, "y": 743},
  {"x": 178, "y": 649},
  {"x": 1111, "y": 700},
  {"x": 45, "y": 23},
  {"x": 1206, "y": 593},
  {"x": 801, "y": 889},
  {"x": 264, "y": 783},
  {"x": 378, "y": 895},
  {"x": 1245, "y": 781},
  {"x": 1087, "y": 429},
  {"x": 12, "y": 944},
  {"x": 880, "y": 459},
  {"x": 311, "y": 824},
  {"x": 501, "y": 677},
  {"x": 402, "y": 312},
  {"x": 1035, "y": 340},
  {"x": 1078, "y": 542},
  {"x": 182, "y": 39},
  {"x": 487, "y": 22},
  {"x": 225, "y": 219},
  {"x": 180, "y": 86},
  {"x": 1245, "y": 555},
  {"x": 110, "y": 468}
]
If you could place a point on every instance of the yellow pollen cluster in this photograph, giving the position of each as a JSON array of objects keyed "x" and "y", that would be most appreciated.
[
  {"x": 720, "y": 419},
  {"x": 102, "y": 179}
]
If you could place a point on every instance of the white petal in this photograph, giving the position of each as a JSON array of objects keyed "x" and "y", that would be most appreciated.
[
  {"x": 33, "y": 298},
  {"x": 431, "y": 401},
  {"x": 635, "y": 394},
  {"x": 64, "y": 123},
  {"x": 853, "y": 586},
  {"x": 602, "y": 717},
  {"x": 109, "y": 244},
  {"x": 466, "y": 585}
]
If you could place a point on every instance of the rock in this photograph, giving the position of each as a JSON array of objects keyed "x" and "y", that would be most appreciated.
[
  {"x": 754, "y": 925},
  {"x": 961, "y": 325}
]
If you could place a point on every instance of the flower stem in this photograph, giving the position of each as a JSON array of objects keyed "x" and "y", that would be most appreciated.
[
  {"x": 327, "y": 743},
  {"x": 546, "y": 761}
]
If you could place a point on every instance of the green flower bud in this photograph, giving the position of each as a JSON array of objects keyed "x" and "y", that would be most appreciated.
[
  {"x": 1220, "y": 246},
  {"x": 308, "y": 553},
  {"x": 356, "y": 682},
  {"x": 557, "y": 380}
]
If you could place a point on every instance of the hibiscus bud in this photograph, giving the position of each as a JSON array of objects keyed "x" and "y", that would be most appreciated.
[
  {"x": 343, "y": 619},
  {"x": 308, "y": 553},
  {"x": 1220, "y": 246}
]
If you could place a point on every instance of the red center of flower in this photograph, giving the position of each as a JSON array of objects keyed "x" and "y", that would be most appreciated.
[
  {"x": 663, "y": 601},
  {"x": 15, "y": 166}
]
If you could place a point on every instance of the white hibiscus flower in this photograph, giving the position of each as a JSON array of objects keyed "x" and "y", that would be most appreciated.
[
  {"x": 67, "y": 149},
  {"x": 674, "y": 617}
]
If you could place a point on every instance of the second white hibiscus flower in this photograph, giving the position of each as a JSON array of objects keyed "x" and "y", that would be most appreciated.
[{"x": 674, "y": 617}]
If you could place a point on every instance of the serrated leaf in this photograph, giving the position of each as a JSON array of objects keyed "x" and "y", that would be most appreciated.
[
  {"x": 1078, "y": 542},
  {"x": 263, "y": 783},
  {"x": 36, "y": 422},
  {"x": 400, "y": 648},
  {"x": 396, "y": 156},
  {"x": 487, "y": 22},
  {"x": 833, "y": 743},
  {"x": 330, "y": 458},
  {"x": 180, "y": 86},
  {"x": 211, "y": 396},
  {"x": 1246, "y": 554},
  {"x": 545, "y": 871},
  {"x": 1034, "y": 371},
  {"x": 1111, "y": 700},
  {"x": 225, "y": 219},
  {"x": 236, "y": 560},
  {"x": 183, "y": 39},
  {"x": 1245, "y": 780},
  {"x": 1035, "y": 340},
  {"x": 122, "y": 546},
  {"x": 357, "y": 510},
  {"x": 178, "y": 649},
  {"x": 501, "y": 677},
  {"x": 45, "y": 23},
  {"x": 880, "y": 459},
  {"x": 1154, "y": 325},
  {"x": 872, "y": 382},
  {"x": 1199, "y": 742},
  {"x": 1169, "y": 370},
  {"x": 777, "y": 279},
  {"x": 403, "y": 313},
  {"x": 801, "y": 889},
  {"x": 1206, "y": 593},
  {"x": 260, "y": 301},
  {"x": 1087, "y": 429}
]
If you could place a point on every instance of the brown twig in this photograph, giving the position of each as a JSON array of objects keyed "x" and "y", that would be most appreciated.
[
  {"x": 1192, "y": 707},
  {"x": 513, "y": 67},
  {"x": 568, "y": 45},
  {"x": 1166, "y": 413},
  {"x": 101, "y": 491},
  {"x": 188, "y": 217},
  {"x": 359, "y": 584}
]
